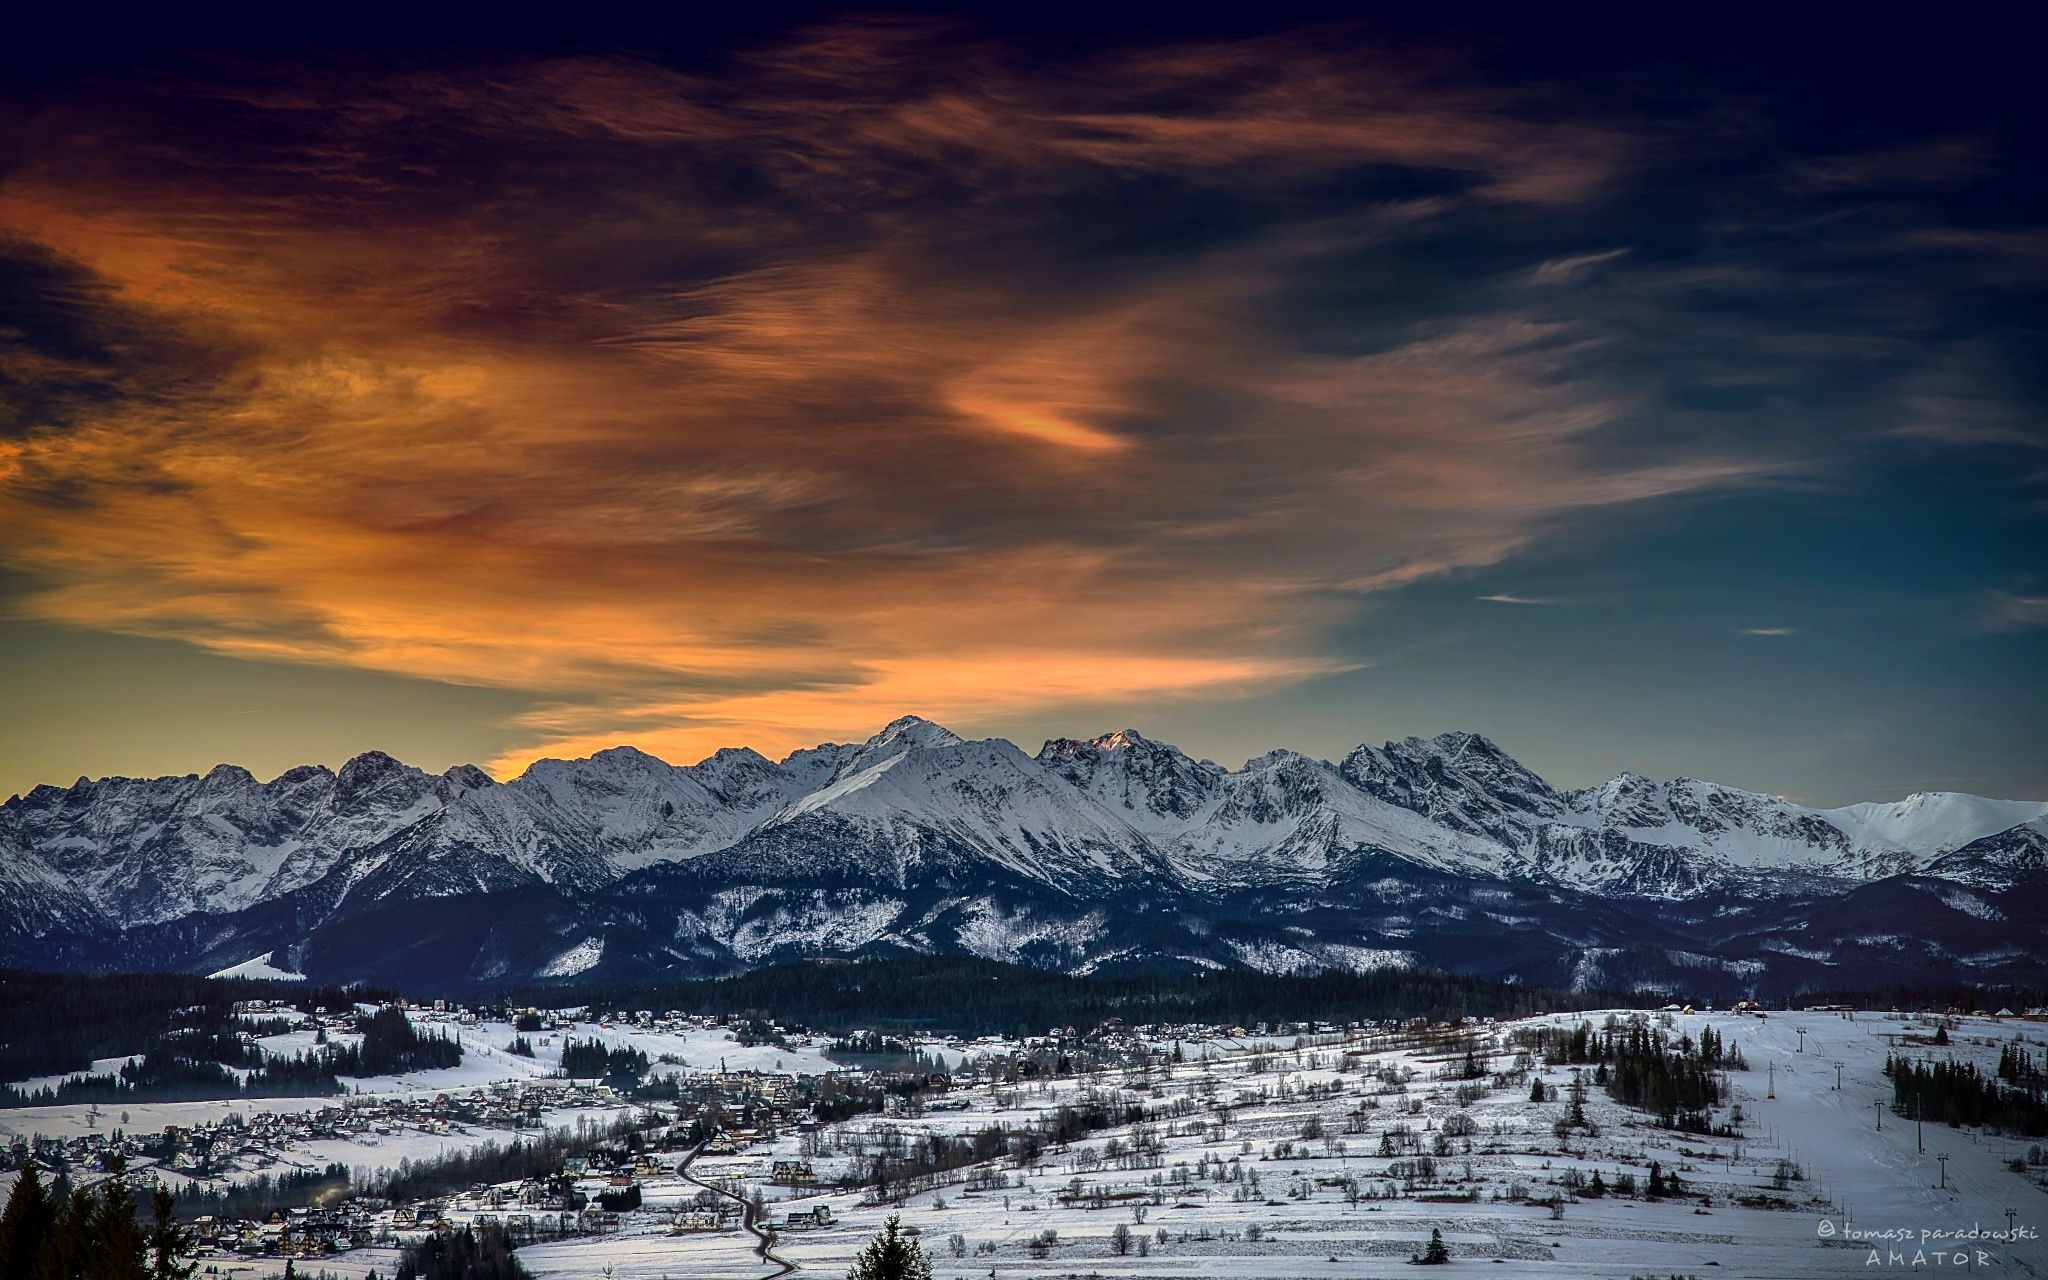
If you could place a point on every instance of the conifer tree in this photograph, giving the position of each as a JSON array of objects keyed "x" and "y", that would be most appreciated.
[
  {"x": 171, "y": 1247},
  {"x": 1436, "y": 1254},
  {"x": 116, "y": 1243},
  {"x": 891, "y": 1256},
  {"x": 26, "y": 1224}
]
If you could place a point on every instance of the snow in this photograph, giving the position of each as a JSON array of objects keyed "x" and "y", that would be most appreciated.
[
  {"x": 1084, "y": 819},
  {"x": 1933, "y": 822},
  {"x": 99, "y": 1067},
  {"x": 584, "y": 955},
  {"x": 1309, "y": 1230},
  {"x": 1859, "y": 1178},
  {"x": 260, "y": 967}
]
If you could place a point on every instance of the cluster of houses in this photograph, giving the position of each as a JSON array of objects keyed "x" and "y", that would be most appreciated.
[
  {"x": 588, "y": 1193},
  {"x": 240, "y": 1143}
]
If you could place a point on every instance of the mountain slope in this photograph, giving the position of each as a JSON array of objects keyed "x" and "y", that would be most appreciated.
[{"x": 1116, "y": 851}]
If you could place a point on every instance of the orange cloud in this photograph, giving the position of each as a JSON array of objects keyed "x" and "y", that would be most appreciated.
[{"x": 761, "y": 405}]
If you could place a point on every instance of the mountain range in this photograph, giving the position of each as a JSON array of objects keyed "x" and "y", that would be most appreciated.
[{"x": 1115, "y": 853}]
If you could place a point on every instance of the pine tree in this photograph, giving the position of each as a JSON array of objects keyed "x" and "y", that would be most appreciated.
[
  {"x": 1436, "y": 1254},
  {"x": 67, "y": 1252},
  {"x": 26, "y": 1224},
  {"x": 891, "y": 1256},
  {"x": 118, "y": 1248},
  {"x": 171, "y": 1247}
]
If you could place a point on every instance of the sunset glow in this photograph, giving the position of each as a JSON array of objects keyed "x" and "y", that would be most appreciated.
[{"x": 886, "y": 363}]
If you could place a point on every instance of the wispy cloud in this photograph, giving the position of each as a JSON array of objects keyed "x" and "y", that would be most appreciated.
[
  {"x": 1768, "y": 631},
  {"x": 2016, "y": 611},
  {"x": 878, "y": 365},
  {"x": 1570, "y": 270}
]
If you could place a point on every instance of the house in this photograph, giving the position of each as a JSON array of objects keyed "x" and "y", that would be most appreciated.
[
  {"x": 804, "y": 1219},
  {"x": 691, "y": 1223},
  {"x": 793, "y": 1173}
]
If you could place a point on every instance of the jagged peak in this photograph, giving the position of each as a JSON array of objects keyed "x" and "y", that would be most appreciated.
[
  {"x": 469, "y": 777},
  {"x": 611, "y": 759},
  {"x": 728, "y": 757},
  {"x": 300, "y": 772},
  {"x": 916, "y": 730},
  {"x": 1465, "y": 740},
  {"x": 370, "y": 764},
  {"x": 628, "y": 754},
  {"x": 823, "y": 751},
  {"x": 1279, "y": 756},
  {"x": 899, "y": 737},
  {"x": 1451, "y": 746},
  {"x": 1129, "y": 740}
]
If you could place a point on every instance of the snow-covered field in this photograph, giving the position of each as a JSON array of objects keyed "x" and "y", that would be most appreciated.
[
  {"x": 1296, "y": 1224},
  {"x": 485, "y": 1062},
  {"x": 1223, "y": 1182}
]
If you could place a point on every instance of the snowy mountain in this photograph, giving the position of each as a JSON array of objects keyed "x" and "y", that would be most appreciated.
[
  {"x": 147, "y": 850},
  {"x": 1113, "y": 851}
]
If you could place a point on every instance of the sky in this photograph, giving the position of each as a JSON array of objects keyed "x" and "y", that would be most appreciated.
[{"x": 1654, "y": 392}]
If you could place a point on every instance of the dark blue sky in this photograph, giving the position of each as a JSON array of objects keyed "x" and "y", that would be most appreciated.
[{"x": 1654, "y": 391}]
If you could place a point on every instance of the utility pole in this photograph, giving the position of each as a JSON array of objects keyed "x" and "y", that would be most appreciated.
[
  {"x": 1774, "y": 1083},
  {"x": 1943, "y": 1157},
  {"x": 2009, "y": 1216},
  {"x": 1877, "y": 1105},
  {"x": 1802, "y": 1038},
  {"x": 1838, "y": 1077}
]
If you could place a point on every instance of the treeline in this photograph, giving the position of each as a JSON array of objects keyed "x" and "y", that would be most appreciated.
[
  {"x": 191, "y": 1064},
  {"x": 392, "y": 1045},
  {"x": 159, "y": 1076},
  {"x": 168, "y": 1072},
  {"x": 537, "y": 1157},
  {"x": 256, "y": 1196},
  {"x": 2018, "y": 1067},
  {"x": 1642, "y": 1067},
  {"x": 873, "y": 1051},
  {"x": 1965, "y": 996},
  {"x": 1957, "y": 1093},
  {"x": 91, "y": 1233},
  {"x": 1677, "y": 1083},
  {"x": 57, "y": 1023},
  {"x": 540, "y": 1156},
  {"x": 594, "y": 1058},
  {"x": 481, "y": 1253},
  {"x": 969, "y": 996}
]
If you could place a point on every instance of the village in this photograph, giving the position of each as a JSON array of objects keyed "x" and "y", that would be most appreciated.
[{"x": 1279, "y": 1150}]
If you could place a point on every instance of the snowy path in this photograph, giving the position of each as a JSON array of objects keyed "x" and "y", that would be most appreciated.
[{"x": 748, "y": 1218}]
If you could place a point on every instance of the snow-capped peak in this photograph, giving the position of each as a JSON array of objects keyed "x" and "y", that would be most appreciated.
[
  {"x": 905, "y": 733},
  {"x": 147, "y": 851}
]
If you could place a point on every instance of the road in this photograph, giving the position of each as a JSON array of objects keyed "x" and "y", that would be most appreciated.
[{"x": 764, "y": 1238}]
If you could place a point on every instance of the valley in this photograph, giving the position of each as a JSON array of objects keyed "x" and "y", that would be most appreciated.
[{"x": 1151, "y": 1151}]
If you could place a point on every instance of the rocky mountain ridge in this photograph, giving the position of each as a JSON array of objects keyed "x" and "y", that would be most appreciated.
[{"x": 921, "y": 839}]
